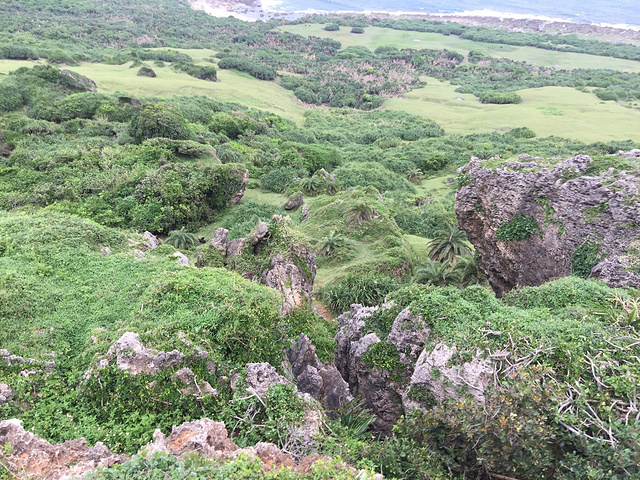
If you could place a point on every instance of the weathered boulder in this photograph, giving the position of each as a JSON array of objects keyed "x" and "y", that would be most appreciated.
[
  {"x": 295, "y": 202},
  {"x": 204, "y": 435},
  {"x": 528, "y": 223},
  {"x": 324, "y": 383},
  {"x": 182, "y": 258},
  {"x": 36, "y": 458},
  {"x": 80, "y": 81},
  {"x": 129, "y": 354},
  {"x": 291, "y": 280},
  {"x": 6, "y": 393},
  {"x": 292, "y": 265},
  {"x": 434, "y": 374},
  {"x": 261, "y": 376},
  {"x": 150, "y": 239},
  {"x": 375, "y": 386},
  {"x": 219, "y": 239}
]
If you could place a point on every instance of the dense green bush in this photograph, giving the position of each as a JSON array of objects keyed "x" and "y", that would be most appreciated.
[
  {"x": 278, "y": 180},
  {"x": 365, "y": 289},
  {"x": 373, "y": 174},
  {"x": 156, "y": 120},
  {"x": 246, "y": 64},
  {"x": 500, "y": 97},
  {"x": 332, "y": 27}
]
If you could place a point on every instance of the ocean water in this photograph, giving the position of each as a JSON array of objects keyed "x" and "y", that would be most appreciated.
[{"x": 620, "y": 12}]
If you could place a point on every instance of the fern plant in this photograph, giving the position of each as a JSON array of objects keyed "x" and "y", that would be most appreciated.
[{"x": 181, "y": 239}]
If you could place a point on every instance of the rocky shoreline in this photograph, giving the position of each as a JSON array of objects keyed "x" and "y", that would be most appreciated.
[{"x": 252, "y": 10}]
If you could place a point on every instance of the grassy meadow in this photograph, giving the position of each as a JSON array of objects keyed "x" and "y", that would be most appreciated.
[{"x": 560, "y": 111}]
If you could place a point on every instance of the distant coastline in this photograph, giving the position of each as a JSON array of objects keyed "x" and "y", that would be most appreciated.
[{"x": 252, "y": 10}]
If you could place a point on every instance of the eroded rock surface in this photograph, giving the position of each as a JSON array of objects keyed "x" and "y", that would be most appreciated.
[
  {"x": 291, "y": 270},
  {"x": 36, "y": 458},
  {"x": 322, "y": 382},
  {"x": 570, "y": 208},
  {"x": 423, "y": 373}
]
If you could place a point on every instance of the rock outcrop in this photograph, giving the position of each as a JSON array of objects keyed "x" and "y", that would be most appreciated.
[
  {"x": 291, "y": 266},
  {"x": 528, "y": 223},
  {"x": 322, "y": 382},
  {"x": 36, "y": 458},
  {"x": 295, "y": 202},
  {"x": 422, "y": 373}
]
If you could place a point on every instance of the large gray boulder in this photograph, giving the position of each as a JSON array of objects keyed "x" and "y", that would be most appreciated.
[{"x": 570, "y": 208}]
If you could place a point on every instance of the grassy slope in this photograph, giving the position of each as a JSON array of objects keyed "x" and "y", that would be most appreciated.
[
  {"x": 232, "y": 86},
  {"x": 376, "y": 37}
]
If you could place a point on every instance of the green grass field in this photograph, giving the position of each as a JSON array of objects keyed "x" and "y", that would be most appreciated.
[
  {"x": 232, "y": 86},
  {"x": 376, "y": 37},
  {"x": 560, "y": 111}
]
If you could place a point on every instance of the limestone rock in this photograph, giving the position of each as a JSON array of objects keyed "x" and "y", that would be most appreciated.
[
  {"x": 291, "y": 280},
  {"x": 240, "y": 193},
  {"x": 261, "y": 376},
  {"x": 219, "y": 239},
  {"x": 234, "y": 247},
  {"x": 570, "y": 209},
  {"x": 408, "y": 334},
  {"x": 131, "y": 355},
  {"x": 150, "y": 240},
  {"x": 295, "y": 202},
  {"x": 324, "y": 383},
  {"x": 469, "y": 377},
  {"x": 182, "y": 258},
  {"x": 205, "y": 436},
  {"x": 81, "y": 82},
  {"x": 36, "y": 458},
  {"x": 6, "y": 393}
]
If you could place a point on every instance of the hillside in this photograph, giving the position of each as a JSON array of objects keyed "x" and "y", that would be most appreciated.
[{"x": 345, "y": 247}]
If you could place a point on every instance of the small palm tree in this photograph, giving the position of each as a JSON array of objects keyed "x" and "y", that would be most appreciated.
[
  {"x": 360, "y": 212},
  {"x": 449, "y": 243},
  {"x": 439, "y": 274},
  {"x": 181, "y": 239},
  {"x": 334, "y": 241},
  {"x": 415, "y": 175},
  {"x": 467, "y": 270},
  {"x": 311, "y": 185}
]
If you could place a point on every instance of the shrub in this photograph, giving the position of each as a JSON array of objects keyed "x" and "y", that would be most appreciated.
[
  {"x": 366, "y": 289},
  {"x": 357, "y": 30},
  {"x": 155, "y": 120},
  {"x": 585, "y": 257},
  {"x": 373, "y": 174},
  {"x": 146, "y": 72},
  {"x": 332, "y": 27},
  {"x": 500, "y": 97},
  {"x": 278, "y": 180}
]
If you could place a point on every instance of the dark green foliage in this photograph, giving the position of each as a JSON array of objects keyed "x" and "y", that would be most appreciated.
[
  {"x": 520, "y": 227},
  {"x": 357, "y": 30},
  {"x": 585, "y": 257},
  {"x": 243, "y": 218},
  {"x": 156, "y": 120},
  {"x": 500, "y": 97},
  {"x": 201, "y": 72},
  {"x": 16, "y": 51},
  {"x": 332, "y": 27},
  {"x": 246, "y": 64},
  {"x": 365, "y": 289},
  {"x": 278, "y": 180},
  {"x": 562, "y": 293},
  {"x": 181, "y": 239},
  {"x": 448, "y": 243},
  {"x": 146, "y": 72},
  {"x": 373, "y": 174}
]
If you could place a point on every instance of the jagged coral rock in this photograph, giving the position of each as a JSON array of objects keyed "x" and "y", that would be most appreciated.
[
  {"x": 38, "y": 459},
  {"x": 569, "y": 207},
  {"x": 322, "y": 382}
]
